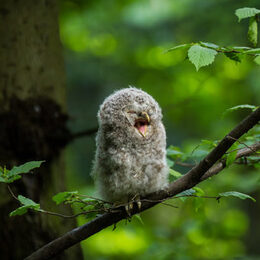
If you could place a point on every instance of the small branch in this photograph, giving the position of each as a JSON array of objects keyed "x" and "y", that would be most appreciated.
[
  {"x": 84, "y": 133},
  {"x": 13, "y": 195},
  {"x": 242, "y": 143},
  {"x": 190, "y": 165},
  {"x": 222, "y": 164},
  {"x": 197, "y": 174}
]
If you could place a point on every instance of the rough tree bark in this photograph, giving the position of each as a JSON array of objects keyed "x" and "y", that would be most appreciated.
[{"x": 32, "y": 105}]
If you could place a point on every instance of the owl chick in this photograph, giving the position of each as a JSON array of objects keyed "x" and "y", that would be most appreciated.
[{"x": 130, "y": 158}]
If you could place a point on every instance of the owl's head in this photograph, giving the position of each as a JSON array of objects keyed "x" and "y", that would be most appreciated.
[{"x": 131, "y": 112}]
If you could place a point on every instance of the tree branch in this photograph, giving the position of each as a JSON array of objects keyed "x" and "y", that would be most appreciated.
[
  {"x": 197, "y": 174},
  {"x": 84, "y": 133}
]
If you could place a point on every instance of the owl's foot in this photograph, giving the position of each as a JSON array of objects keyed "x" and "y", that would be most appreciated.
[
  {"x": 131, "y": 203},
  {"x": 129, "y": 207},
  {"x": 137, "y": 199}
]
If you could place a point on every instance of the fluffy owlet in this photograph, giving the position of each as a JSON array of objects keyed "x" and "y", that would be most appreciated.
[{"x": 131, "y": 146}]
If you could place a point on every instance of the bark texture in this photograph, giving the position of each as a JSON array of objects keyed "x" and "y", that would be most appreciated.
[{"x": 33, "y": 122}]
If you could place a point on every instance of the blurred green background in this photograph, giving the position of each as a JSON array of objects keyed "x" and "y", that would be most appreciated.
[{"x": 111, "y": 44}]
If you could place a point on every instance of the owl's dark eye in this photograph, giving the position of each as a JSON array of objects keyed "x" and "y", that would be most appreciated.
[{"x": 131, "y": 112}]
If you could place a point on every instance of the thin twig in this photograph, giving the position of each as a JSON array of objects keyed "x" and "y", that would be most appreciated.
[
  {"x": 84, "y": 133},
  {"x": 13, "y": 195},
  {"x": 241, "y": 143}
]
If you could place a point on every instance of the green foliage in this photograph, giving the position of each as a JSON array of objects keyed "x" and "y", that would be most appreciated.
[
  {"x": 203, "y": 53},
  {"x": 180, "y": 47},
  {"x": 236, "y": 194},
  {"x": 246, "y": 12},
  {"x": 246, "y": 106},
  {"x": 65, "y": 197},
  {"x": 174, "y": 152},
  {"x": 231, "y": 156},
  {"x": 174, "y": 175},
  {"x": 26, "y": 204},
  {"x": 252, "y": 31},
  {"x": 9, "y": 176},
  {"x": 139, "y": 218},
  {"x": 201, "y": 56},
  {"x": 257, "y": 60}
]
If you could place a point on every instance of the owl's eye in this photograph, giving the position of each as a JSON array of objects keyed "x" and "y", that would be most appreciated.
[{"x": 131, "y": 112}]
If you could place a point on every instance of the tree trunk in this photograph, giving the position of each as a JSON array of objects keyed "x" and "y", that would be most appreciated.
[{"x": 33, "y": 123}]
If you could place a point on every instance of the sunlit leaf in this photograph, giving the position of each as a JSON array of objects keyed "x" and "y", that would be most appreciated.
[
  {"x": 179, "y": 47},
  {"x": 139, "y": 218},
  {"x": 253, "y": 51},
  {"x": 246, "y": 12},
  {"x": 257, "y": 60},
  {"x": 237, "y": 195},
  {"x": 209, "y": 45},
  {"x": 245, "y": 106},
  {"x": 174, "y": 175},
  {"x": 170, "y": 163},
  {"x": 252, "y": 31},
  {"x": 201, "y": 56},
  {"x": 199, "y": 191}
]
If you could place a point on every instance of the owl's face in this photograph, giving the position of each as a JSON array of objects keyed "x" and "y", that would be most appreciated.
[{"x": 131, "y": 113}]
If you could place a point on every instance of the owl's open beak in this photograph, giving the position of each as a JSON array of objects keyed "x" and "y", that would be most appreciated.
[{"x": 142, "y": 122}]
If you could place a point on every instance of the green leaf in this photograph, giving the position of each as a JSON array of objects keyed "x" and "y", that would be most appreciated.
[
  {"x": 186, "y": 193},
  {"x": 199, "y": 191},
  {"x": 179, "y": 47},
  {"x": 233, "y": 56},
  {"x": 174, "y": 152},
  {"x": 63, "y": 196},
  {"x": 2, "y": 179},
  {"x": 139, "y": 218},
  {"x": 239, "y": 48},
  {"x": 257, "y": 60},
  {"x": 231, "y": 157},
  {"x": 236, "y": 194},
  {"x": 170, "y": 163},
  {"x": 19, "y": 211},
  {"x": 174, "y": 175},
  {"x": 245, "y": 106},
  {"x": 210, "y": 143},
  {"x": 27, "y": 202},
  {"x": 209, "y": 45},
  {"x": 25, "y": 168},
  {"x": 252, "y": 31},
  {"x": 253, "y": 51},
  {"x": 201, "y": 56},
  {"x": 246, "y": 12}
]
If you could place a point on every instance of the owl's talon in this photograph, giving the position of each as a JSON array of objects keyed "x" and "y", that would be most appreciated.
[
  {"x": 139, "y": 204},
  {"x": 128, "y": 208}
]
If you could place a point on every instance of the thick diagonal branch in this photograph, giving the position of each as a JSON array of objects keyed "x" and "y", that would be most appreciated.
[{"x": 197, "y": 174}]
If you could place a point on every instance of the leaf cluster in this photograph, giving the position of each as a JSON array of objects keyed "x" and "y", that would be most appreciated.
[
  {"x": 202, "y": 54},
  {"x": 9, "y": 176}
]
